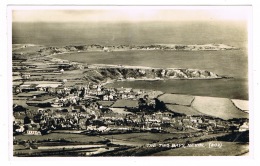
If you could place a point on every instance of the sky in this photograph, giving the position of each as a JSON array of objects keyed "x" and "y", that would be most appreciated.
[{"x": 129, "y": 13}]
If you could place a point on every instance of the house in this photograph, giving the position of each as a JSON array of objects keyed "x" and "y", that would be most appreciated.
[
  {"x": 20, "y": 129},
  {"x": 94, "y": 105},
  {"x": 131, "y": 95},
  {"x": 103, "y": 129},
  {"x": 82, "y": 124},
  {"x": 106, "y": 49},
  {"x": 158, "y": 115},
  {"x": 124, "y": 96},
  {"x": 94, "y": 86},
  {"x": 127, "y": 90},
  {"x": 167, "y": 114},
  {"x": 19, "y": 118},
  {"x": 193, "y": 120},
  {"x": 186, "y": 121},
  {"x": 92, "y": 92},
  {"x": 212, "y": 122},
  {"x": 152, "y": 102},
  {"x": 111, "y": 97},
  {"x": 90, "y": 127},
  {"x": 111, "y": 90},
  {"x": 120, "y": 90},
  {"x": 33, "y": 131},
  {"x": 244, "y": 127},
  {"x": 137, "y": 91},
  {"x": 26, "y": 75},
  {"x": 57, "y": 104},
  {"x": 62, "y": 71},
  {"x": 105, "y": 97}
]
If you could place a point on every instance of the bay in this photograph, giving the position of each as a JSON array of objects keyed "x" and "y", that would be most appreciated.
[
  {"x": 224, "y": 88},
  {"x": 232, "y": 63}
]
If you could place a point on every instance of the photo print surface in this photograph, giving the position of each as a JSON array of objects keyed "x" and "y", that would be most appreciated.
[{"x": 130, "y": 81}]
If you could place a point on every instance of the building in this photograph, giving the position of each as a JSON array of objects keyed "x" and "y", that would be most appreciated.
[
  {"x": 244, "y": 127},
  {"x": 33, "y": 131},
  {"x": 26, "y": 75}
]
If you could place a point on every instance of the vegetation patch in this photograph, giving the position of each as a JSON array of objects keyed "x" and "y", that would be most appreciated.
[
  {"x": 218, "y": 107},
  {"x": 226, "y": 149},
  {"x": 176, "y": 99},
  {"x": 241, "y": 104},
  {"x": 125, "y": 103},
  {"x": 183, "y": 110}
]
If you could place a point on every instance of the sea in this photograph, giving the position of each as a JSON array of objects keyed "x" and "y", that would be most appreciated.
[{"x": 230, "y": 63}]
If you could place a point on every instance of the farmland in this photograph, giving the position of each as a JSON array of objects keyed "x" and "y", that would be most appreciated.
[
  {"x": 183, "y": 109},
  {"x": 226, "y": 149},
  {"x": 217, "y": 107},
  {"x": 143, "y": 138},
  {"x": 125, "y": 103},
  {"x": 177, "y": 99},
  {"x": 92, "y": 90},
  {"x": 241, "y": 104},
  {"x": 61, "y": 136}
]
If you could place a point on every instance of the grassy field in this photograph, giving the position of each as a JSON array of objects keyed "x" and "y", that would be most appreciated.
[
  {"x": 218, "y": 107},
  {"x": 183, "y": 109},
  {"x": 20, "y": 102},
  {"x": 241, "y": 104},
  {"x": 120, "y": 111},
  {"x": 106, "y": 103},
  {"x": 57, "y": 136},
  {"x": 179, "y": 138},
  {"x": 227, "y": 149},
  {"x": 26, "y": 50},
  {"x": 153, "y": 94},
  {"x": 125, "y": 103},
  {"x": 177, "y": 99},
  {"x": 144, "y": 138}
]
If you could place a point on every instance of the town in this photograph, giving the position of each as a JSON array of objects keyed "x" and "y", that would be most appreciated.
[
  {"x": 54, "y": 106},
  {"x": 53, "y": 95}
]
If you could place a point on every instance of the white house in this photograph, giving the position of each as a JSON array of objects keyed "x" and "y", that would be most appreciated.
[{"x": 244, "y": 127}]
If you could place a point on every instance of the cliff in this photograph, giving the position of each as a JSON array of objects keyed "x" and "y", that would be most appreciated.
[{"x": 120, "y": 73}]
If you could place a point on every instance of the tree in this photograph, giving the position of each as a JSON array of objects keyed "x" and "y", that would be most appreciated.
[
  {"x": 159, "y": 105},
  {"x": 19, "y": 108},
  {"x": 82, "y": 94},
  {"x": 142, "y": 103},
  {"x": 37, "y": 118},
  {"x": 27, "y": 120},
  {"x": 233, "y": 128}
]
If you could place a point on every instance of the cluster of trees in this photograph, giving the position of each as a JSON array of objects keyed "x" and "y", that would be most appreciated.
[{"x": 152, "y": 105}]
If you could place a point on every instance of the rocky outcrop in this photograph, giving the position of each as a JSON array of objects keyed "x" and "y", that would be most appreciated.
[{"x": 121, "y": 73}]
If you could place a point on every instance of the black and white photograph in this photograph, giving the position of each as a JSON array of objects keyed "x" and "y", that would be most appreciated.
[{"x": 113, "y": 81}]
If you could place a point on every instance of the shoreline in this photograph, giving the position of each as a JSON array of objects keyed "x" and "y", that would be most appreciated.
[{"x": 109, "y": 48}]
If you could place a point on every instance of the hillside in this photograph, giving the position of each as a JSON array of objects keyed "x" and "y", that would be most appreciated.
[
  {"x": 218, "y": 107},
  {"x": 120, "y": 73},
  {"x": 108, "y": 48}
]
